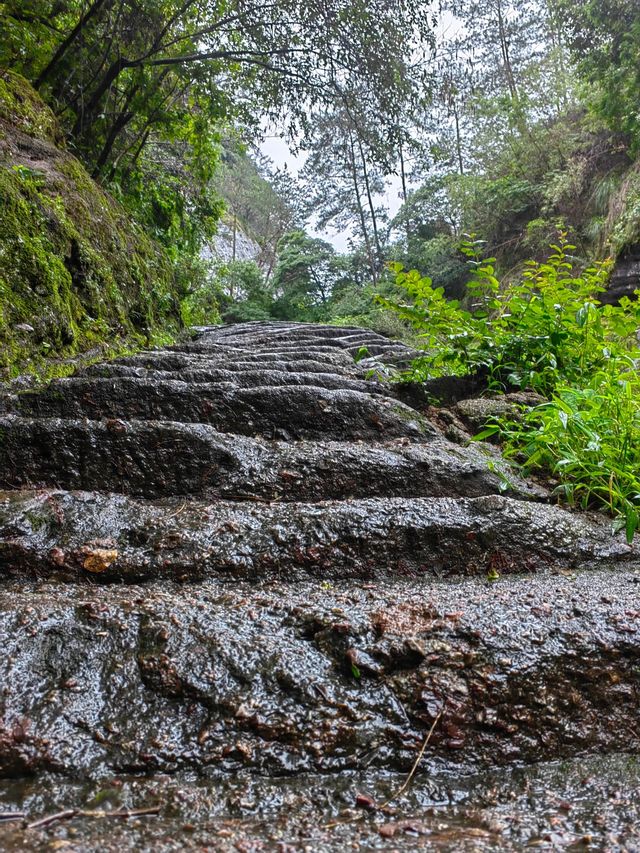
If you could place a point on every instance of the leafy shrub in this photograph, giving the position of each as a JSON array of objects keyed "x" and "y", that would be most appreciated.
[
  {"x": 589, "y": 438},
  {"x": 547, "y": 332},
  {"x": 534, "y": 332}
]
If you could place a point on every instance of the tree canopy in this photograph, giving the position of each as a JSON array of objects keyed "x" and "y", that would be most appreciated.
[{"x": 120, "y": 71}]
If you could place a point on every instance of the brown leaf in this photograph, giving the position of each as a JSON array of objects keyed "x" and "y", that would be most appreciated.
[
  {"x": 363, "y": 801},
  {"x": 99, "y": 559}
]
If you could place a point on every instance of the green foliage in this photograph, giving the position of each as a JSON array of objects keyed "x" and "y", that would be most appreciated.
[
  {"x": 530, "y": 332},
  {"x": 546, "y": 331},
  {"x": 75, "y": 273},
  {"x": 304, "y": 277},
  {"x": 588, "y": 436},
  {"x": 22, "y": 108},
  {"x": 264, "y": 202},
  {"x": 496, "y": 207},
  {"x": 605, "y": 41},
  {"x": 245, "y": 288}
]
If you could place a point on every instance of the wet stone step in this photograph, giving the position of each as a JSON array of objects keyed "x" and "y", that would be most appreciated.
[
  {"x": 335, "y": 356},
  {"x": 241, "y": 378},
  {"x": 352, "y": 342},
  {"x": 75, "y": 535},
  {"x": 173, "y": 361},
  {"x": 288, "y": 342},
  {"x": 293, "y": 412},
  {"x": 586, "y": 803},
  {"x": 275, "y": 332},
  {"x": 308, "y": 679},
  {"x": 152, "y": 459}
]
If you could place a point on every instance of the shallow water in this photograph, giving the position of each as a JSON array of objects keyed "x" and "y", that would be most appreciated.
[{"x": 583, "y": 804}]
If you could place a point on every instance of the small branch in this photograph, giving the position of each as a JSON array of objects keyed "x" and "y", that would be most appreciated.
[
  {"x": 123, "y": 813},
  {"x": 5, "y": 816},
  {"x": 416, "y": 763},
  {"x": 404, "y": 785},
  {"x": 69, "y": 814},
  {"x": 52, "y": 818}
]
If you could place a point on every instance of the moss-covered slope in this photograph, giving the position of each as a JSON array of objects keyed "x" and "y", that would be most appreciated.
[{"x": 75, "y": 273}]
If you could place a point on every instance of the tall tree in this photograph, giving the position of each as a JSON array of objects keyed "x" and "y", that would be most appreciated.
[
  {"x": 113, "y": 64},
  {"x": 345, "y": 180},
  {"x": 304, "y": 277},
  {"x": 604, "y": 36}
]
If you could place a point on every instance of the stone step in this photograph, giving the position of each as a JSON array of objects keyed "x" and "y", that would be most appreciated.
[
  {"x": 319, "y": 349},
  {"x": 332, "y": 356},
  {"x": 99, "y": 681},
  {"x": 74, "y": 535},
  {"x": 488, "y": 810},
  {"x": 352, "y": 340},
  {"x": 285, "y": 342},
  {"x": 284, "y": 331},
  {"x": 241, "y": 378},
  {"x": 173, "y": 361},
  {"x": 152, "y": 459},
  {"x": 292, "y": 412}
]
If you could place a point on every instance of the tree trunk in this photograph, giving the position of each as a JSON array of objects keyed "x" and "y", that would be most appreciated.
[
  {"x": 506, "y": 58},
  {"x": 235, "y": 229},
  {"x": 405, "y": 196},
  {"x": 456, "y": 119},
  {"x": 87, "y": 114},
  {"x": 367, "y": 186},
  {"x": 67, "y": 42},
  {"x": 363, "y": 223}
]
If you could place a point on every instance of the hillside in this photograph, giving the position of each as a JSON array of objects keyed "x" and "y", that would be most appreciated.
[{"x": 77, "y": 275}]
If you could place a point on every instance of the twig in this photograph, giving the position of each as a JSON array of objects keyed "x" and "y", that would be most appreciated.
[
  {"x": 404, "y": 785},
  {"x": 11, "y": 816},
  {"x": 124, "y": 813},
  {"x": 177, "y": 512},
  {"x": 71, "y": 813},
  {"x": 52, "y": 818},
  {"x": 416, "y": 763},
  {"x": 335, "y": 823}
]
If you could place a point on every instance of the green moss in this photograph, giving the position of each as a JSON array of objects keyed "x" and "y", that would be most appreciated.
[
  {"x": 21, "y": 107},
  {"x": 73, "y": 266}
]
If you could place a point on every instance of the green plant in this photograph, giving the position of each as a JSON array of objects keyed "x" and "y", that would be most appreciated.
[
  {"x": 589, "y": 438},
  {"x": 533, "y": 332},
  {"x": 548, "y": 332}
]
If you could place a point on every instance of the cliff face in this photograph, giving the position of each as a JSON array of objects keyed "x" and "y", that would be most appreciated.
[{"x": 76, "y": 274}]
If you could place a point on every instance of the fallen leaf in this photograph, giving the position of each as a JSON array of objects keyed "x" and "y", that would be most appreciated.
[
  {"x": 99, "y": 560},
  {"x": 363, "y": 801}
]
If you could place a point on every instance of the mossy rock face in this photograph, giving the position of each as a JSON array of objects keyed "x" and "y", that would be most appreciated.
[
  {"x": 22, "y": 107},
  {"x": 75, "y": 272}
]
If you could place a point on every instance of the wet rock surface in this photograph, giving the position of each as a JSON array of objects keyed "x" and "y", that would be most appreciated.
[
  {"x": 164, "y": 678},
  {"x": 169, "y": 458},
  {"x": 251, "y": 560},
  {"x": 583, "y": 804},
  {"x": 43, "y": 533}
]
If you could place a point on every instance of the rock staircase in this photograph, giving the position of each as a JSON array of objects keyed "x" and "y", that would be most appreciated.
[{"x": 246, "y": 554}]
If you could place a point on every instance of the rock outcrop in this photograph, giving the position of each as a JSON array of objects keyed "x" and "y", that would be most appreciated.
[
  {"x": 246, "y": 555},
  {"x": 77, "y": 277}
]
